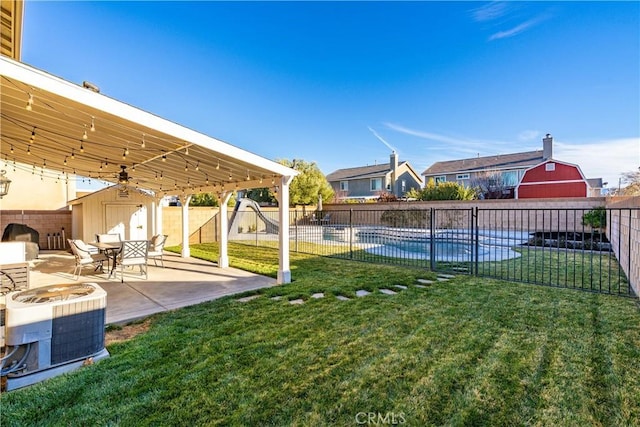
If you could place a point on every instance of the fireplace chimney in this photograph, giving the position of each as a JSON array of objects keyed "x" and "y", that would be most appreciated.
[{"x": 547, "y": 147}]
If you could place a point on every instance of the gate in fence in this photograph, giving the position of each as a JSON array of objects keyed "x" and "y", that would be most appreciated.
[{"x": 570, "y": 248}]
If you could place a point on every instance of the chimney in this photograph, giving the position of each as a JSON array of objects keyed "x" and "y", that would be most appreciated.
[
  {"x": 547, "y": 147},
  {"x": 393, "y": 164}
]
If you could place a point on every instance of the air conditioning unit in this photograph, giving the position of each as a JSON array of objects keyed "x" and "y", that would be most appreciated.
[{"x": 52, "y": 330}]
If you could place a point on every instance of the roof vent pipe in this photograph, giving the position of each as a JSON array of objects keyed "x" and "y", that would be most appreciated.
[
  {"x": 547, "y": 147},
  {"x": 90, "y": 86}
]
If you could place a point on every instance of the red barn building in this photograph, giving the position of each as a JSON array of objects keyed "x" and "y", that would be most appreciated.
[{"x": 552, "y": 178}]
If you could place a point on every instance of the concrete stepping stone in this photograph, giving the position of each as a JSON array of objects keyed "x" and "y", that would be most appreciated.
[
  {"x": 388, "y": 292},
  {"x": 425, "y": 281},
  {"x": 362, "y": 293},
  {"x": 420, "y": 286},
  {"x": 446, "y": 276},
  {"x": 318, "y": 295},
  {"x": 297, "y": 301},
  {"x": 277, "y": 298},
  {"x": 342, "y": 298},
  {"x": 442, "y": 279},
  {"x": 247, "y": 299},
  {"x": 403, "y": 287}
]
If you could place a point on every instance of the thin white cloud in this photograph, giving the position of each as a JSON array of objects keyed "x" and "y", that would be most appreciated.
[
  {"x": 606, "y": 159},
  {"x": 528, "y": 135},
  {"x": 490, "y": 11},
  {"x": 382, "y": 140},
  {"x": 518, "y": 28},
  {"x": 461, "y": 145}
]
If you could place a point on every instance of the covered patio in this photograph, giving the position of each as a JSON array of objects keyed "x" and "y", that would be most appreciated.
[{"x": 59, "y": 130}]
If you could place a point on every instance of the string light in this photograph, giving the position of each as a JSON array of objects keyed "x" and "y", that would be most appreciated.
[
  {"x": 65, "y": 160},
  {"x": 207, "y": 179},
  {"x": 12, "y": 149},
  {"x": 126, "y": 150},
  {"x": 81, "y": 147},
  {"x": 160, "y": 176},
  {"x": 186, "y": 166},
  {"x": 84, "y": 135},
  {"x": 93, "y": 125},
  {"x": 29, "y": 103},
  {"x": 218, "y": 165},
  {"x": 197, "y": 165},
  {"x": 143, "y": 144},
  {"x": 133, "y": 167},
  {"x": 33, "y": 136},
  {"x": 28, "y": 150},
  {"x": 164, "y": 157},
  {"x": 261, "y": 179},
  {"x": 124, "y": 155},
  {"x": 156, "y": 177},
  {"x": 186, "y": 151},
  {"x": 248, "y": 177},
  {"x": 73, "y": 154},
  {"x": 230, "y": 176}
]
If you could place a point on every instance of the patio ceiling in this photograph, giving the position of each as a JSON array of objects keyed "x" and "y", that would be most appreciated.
[{"x": 72, "y": 130}]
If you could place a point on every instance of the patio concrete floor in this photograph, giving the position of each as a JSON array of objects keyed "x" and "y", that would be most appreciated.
[{"x": 182, "y": 282}]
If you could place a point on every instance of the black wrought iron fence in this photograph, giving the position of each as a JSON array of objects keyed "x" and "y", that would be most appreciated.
[{"x": 570, "y": 248}]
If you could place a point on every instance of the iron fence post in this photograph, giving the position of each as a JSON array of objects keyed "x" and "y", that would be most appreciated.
[
  {"x": 295, "y": 222},
  {"x": 350, "y": 233},
  {"x": 476, "y": 238},
  {"x": 432, "y": 240}
]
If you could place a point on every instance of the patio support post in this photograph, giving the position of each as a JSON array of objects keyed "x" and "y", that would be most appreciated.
[
  {"x": 284, "y": 270},
  {"x": 157, "y": 226},
  {"x": 223, "y": 226},
  {"x": 186, "y": 251}
]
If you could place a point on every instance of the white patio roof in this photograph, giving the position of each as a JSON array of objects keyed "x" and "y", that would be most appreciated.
[{"x": 76, "y": 131}]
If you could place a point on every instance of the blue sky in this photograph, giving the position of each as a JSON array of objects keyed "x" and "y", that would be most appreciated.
[{"x": 339, "y": 83}]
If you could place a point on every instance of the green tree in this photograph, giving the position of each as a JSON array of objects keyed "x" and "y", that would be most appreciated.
[
  {"x": 444, "y": 191},
  {"x": 203, "y": 199},
  {"x": 208, "y": 199},
  {"x": 261, "y": 195},
  {"x": 309, "y": 184}
]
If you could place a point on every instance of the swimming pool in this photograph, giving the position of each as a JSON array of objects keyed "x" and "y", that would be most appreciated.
[{"x": 448, "y": 245}]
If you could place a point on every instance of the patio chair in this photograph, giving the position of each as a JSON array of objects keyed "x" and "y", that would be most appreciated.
[
  {"x": 156, "y": 247},
  {"x": 134, "y": 252},
  {"x": 84, "y": 257},
  {"x": 325, "y": 219}
]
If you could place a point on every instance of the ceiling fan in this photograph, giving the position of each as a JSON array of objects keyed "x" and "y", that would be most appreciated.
[{"x": 123, "y": 176}]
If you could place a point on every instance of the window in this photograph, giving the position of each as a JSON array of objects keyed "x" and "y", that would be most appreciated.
[
  {"x": 439, "y": 179},
  {"x": 462, "y": 179},
  {"x": 510, "y": 178},
  {"x": 550, "y": 167},
  {"x": 376, "y": 184},
  {"x": 344, "y": 185}
]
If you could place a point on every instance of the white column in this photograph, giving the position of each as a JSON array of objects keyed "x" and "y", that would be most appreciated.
[
  {"x": 223, "y": 226},
  {"x": 284, "y": 270},
  {"x": 186, "y": 250},
  {"x": 158, "y": 216}
]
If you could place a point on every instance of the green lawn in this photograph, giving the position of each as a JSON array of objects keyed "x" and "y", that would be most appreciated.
[{"x": 465, "y": 352}]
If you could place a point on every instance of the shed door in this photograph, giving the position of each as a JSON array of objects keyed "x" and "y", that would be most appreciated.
[{"x": 130, "y": 221}]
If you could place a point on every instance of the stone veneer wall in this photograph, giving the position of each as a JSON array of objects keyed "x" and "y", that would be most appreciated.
[
  {"x": 40, "y": 220},
  {"x": 624, "y": 234}
]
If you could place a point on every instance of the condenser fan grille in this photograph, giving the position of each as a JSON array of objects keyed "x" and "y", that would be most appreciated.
[{"x": 54, "y": 293}]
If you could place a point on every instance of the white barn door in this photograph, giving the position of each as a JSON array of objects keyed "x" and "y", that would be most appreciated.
[{"x": 129, "y": 221}]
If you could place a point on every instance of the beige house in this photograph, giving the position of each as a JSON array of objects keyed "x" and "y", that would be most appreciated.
[{"x": 369, "y": 182}]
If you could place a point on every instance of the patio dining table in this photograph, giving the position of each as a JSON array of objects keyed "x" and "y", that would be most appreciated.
[{"x": 111, "y": 250}]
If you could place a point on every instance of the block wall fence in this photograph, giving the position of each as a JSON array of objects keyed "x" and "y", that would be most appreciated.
[{"x": 623, "y": 231}]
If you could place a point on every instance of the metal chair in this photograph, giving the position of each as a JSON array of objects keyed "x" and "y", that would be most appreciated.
[
  {"x": 134, "y": 252},
  {"x": 84, "y": 257},
  {"x": 156, "y": 247}
]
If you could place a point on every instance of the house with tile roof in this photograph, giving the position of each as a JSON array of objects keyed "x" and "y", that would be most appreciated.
[
  {"x": 370, "y": 182},
  {"x": 496, "y": 175}
]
